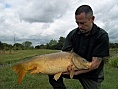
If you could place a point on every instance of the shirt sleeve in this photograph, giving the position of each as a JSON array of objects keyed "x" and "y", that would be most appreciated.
[
  {"x": 68, "y": 44},
  {"x": 101, "y": 48}
]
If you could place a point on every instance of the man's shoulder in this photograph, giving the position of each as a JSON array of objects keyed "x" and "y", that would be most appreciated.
[
  {"x": 99, "y": 31},
  {"x": 73, "y": 32},
  {"x": 102, "y": 33}
]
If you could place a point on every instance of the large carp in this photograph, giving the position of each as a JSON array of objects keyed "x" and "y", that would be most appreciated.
[{"x": 54, "y": 63}]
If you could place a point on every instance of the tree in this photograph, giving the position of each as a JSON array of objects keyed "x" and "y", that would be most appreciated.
[
  {"x": 1, "y": 46},
  {"x": 113, "y": 45},
  {"x": 18, "y": 46},
  {"x": 7, "y": 46},
  {"x": 37, "y": 47},
  {"x": 51, "y": 44},
  {"x": 42, "y": 46},
  {"x": 60, "y": 43},
  {"x": 27, "y": 45}
]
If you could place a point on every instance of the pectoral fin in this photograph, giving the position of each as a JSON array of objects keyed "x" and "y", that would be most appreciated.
[
  {"x": 35, "y": 69},
  {"x": 72, "y": 72},
  {"x": 56, "y": 76}
]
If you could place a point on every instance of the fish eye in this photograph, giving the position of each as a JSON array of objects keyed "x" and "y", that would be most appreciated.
[{"x": 83, "y": 60}]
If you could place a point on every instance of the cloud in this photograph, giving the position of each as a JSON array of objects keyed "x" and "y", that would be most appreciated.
[
  {"x": 43, "y": 10},
  {"x": 39, "y": 21}
]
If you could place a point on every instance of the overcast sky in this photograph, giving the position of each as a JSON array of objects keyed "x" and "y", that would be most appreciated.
[{"x": 39, "y": 21}]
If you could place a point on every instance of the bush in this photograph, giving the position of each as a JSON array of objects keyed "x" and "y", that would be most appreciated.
[{"x": 113, "y": 61}]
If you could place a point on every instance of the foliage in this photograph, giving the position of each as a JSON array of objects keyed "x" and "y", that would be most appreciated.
[
  {"x": 113, "y": 45},
  {"x": 27, "y": 45},
  {"x": 7, "y": 46},
  {"x": 60, "y": 43},
  {"x": 18, "y": 46},
  {"x": 1, "y": 46},
  {"x": 53, "y": 44},
  {"x": 113, "y": 61}
]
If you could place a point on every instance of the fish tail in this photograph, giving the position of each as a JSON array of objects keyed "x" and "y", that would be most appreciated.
[{"x": 21, "y": 72}]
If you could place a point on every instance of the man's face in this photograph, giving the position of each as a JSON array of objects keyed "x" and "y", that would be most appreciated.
[{"x": 84, "y": 23}]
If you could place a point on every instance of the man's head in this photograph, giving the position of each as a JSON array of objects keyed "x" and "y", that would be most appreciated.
[{"x": 84, "y": 18}]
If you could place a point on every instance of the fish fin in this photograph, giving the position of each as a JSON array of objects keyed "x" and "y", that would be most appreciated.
[
  {"x": 21, "y": 72},
  {"x": 21, "y": 75},
  {"x": 72, "y": 72},
  {"x": 34, "y": 70},
  {"x": 56, "y": 76},
  {"x": 17, "y": 68}
]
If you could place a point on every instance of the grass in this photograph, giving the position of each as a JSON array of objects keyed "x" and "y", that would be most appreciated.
[
  {"x": 111, "y": 78},
  {"x": 8, "y": 78},
  {"x": 19, "y": 55}
]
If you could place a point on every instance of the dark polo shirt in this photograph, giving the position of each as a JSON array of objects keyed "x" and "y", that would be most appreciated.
[{"x": 96, "y": 44}]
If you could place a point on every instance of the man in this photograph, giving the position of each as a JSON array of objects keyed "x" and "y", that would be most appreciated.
[{"x": 89, "y": 41}]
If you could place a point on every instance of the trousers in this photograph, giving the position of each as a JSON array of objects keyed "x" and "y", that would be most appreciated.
[{"x": 87, "y": 83}]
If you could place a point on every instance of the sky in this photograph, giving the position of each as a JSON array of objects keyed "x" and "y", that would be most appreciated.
[{"x": 40, "y": 21}]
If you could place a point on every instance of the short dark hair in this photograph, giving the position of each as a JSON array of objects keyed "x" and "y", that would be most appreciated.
[{"x": 84, "y": 9}]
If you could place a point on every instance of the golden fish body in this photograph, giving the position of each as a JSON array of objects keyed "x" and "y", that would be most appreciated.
[{"x": 54, "y": 63}]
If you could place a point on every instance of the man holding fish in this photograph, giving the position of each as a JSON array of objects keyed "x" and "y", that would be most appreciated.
[
  {"x": 90, "y": 42},
  {"x": 82, "y": 55}
]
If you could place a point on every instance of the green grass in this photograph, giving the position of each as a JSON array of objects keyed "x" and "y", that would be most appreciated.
[
  {"x": 111, "y": 78},
  {"x": 21, "y": 54},
  {"x": 8, "y": 78}
]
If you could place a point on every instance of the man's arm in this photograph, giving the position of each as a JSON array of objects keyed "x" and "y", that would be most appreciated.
[{"x": 95, "y": 64}]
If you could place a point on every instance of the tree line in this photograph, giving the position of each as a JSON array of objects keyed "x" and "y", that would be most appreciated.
[
  {"x": 16, "y": 46},
  {"x": 53, "y": 44}
]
